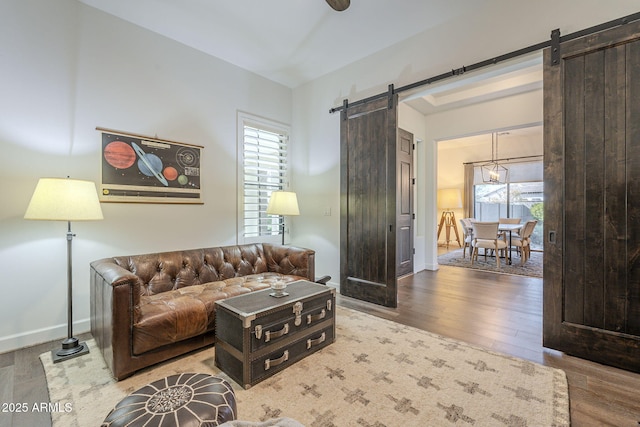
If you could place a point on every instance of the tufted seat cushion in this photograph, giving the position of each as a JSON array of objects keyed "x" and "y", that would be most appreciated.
[{"x": 186, "y": 312}]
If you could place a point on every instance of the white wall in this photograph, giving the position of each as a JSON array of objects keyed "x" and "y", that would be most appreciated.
[
  {"x": 66, "y": 68},
  {"x": 501, "y": 27}
]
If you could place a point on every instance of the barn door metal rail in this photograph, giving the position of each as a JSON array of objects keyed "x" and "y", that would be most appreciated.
[{"x": 554, "y": 42}]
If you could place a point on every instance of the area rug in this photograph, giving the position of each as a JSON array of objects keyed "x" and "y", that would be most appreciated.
[
  {"x": 377, "y": 373},
  {"x": 533, "y": 266}
]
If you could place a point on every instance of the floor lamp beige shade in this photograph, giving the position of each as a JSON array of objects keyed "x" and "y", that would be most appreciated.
[
  {"x": 449, "y": 199},
  {"x": 283, "y": 203},
  {"x": 64, "y": 199}
]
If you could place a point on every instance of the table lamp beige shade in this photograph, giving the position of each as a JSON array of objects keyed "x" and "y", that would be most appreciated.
[
  {"x": 64, "y": 199},
  {"x": 283, "y": 203},
  {"x": 448, "y": 199}
]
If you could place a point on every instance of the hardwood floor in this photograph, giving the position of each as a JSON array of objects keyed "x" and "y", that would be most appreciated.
[
  {"x": 504, "y": 313},
  {"x": 23, "y": 385},
  {"x": 500, "y": 312}
]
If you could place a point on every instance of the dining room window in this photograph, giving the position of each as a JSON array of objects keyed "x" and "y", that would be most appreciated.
[{"x": 522, "y": 197}]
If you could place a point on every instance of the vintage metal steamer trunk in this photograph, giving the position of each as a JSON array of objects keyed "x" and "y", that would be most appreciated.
[{"x": 258, "y": 335}]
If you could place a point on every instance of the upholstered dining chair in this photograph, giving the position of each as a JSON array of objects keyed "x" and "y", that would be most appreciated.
[
  {"x": 466, "y": 232},
  {"x": 485, "y": 235},
  {"x": 523, "y": 240}
]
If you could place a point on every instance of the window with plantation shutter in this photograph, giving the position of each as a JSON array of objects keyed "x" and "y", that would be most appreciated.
[{"x": 264, "y": 170}]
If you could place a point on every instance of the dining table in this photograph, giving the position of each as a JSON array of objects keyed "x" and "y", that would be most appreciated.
[{"x": 509, "y": 228}]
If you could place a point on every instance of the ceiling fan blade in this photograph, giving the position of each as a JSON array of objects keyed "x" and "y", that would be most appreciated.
[{"x": 339, "y": 5}]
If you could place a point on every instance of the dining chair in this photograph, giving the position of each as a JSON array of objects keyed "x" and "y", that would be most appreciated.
[
  {"x": 523, "y": 240},
  {"x": 467, "y": 235},
  {"x": 485, "y": 235}
]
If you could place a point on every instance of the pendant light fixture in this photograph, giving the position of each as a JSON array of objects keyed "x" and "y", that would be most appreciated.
[{"x": 493, "y": 172}]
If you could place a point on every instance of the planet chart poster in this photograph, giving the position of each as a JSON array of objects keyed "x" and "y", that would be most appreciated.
[{"x": 149, "y": 170}]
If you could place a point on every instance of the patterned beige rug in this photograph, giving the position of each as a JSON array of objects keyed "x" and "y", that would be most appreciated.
[
  {"x": 377, "y": 373},
  {"x": 533, "y": 267}
]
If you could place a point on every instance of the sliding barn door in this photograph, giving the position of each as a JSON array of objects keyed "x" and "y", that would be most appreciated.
[
  {"x": 592, "y": 198},
  {"x": 368, "y": 201}
]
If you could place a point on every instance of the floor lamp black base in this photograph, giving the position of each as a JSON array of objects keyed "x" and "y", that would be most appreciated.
[{"x": 70, "y": 348}]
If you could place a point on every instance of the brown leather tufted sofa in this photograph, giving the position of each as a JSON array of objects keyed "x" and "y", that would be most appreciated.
[{"x": 148, "y": 308}]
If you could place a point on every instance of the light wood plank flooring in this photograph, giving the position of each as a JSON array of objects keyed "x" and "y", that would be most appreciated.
[{"x": 501, "y": 312}]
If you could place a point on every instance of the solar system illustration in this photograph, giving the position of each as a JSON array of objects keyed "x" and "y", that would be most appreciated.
[{"x": 140, "y": 169}]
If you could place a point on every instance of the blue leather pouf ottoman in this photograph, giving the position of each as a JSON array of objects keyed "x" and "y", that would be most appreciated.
[{"x": 185, "y": 400}]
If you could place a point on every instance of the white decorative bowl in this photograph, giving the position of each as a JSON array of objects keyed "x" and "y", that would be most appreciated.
[{"x": 279, "y": 286}]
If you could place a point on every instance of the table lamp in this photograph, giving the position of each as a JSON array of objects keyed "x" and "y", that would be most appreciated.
[
  {"x": 64, "y": 199},
  {"x": 283, "y": 203}
]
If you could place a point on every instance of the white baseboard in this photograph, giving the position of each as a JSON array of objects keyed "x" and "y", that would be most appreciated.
[
  {"x": 39, "y": 336},
  {"x": 432, "y": 267},
  {"x": 419, "y": 267}
]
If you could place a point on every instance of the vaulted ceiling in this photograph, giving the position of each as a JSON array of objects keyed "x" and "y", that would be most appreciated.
[
  {"x": 288, "y": 41},
  {"x": 295, "y": 41}
]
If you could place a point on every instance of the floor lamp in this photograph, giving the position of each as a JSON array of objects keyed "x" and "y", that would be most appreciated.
[
  {"x": 283, "y": 203},
  {"x": 449, "y": 199},
  {"x": 60, "y": 199}
]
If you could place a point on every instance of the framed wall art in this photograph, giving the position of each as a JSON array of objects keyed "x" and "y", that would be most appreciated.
[{"x": 142, "y": 169}]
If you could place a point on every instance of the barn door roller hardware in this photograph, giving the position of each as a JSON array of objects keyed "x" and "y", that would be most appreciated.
[
  {"x": 555, "y": 47},
  {"x": 555, "y": 41}
]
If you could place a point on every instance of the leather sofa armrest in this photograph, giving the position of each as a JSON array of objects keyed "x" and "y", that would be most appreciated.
[
  {"x": 114, "y": 275},
  {"x": 115, "y": 294},
  {"x": 323, "y": 280},
  {"x": 112, "y": 272},
  {"x": 290, "y": 260}
]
